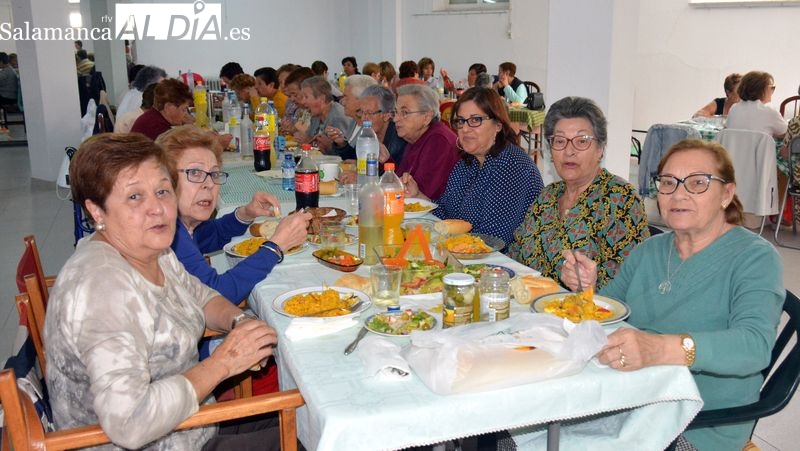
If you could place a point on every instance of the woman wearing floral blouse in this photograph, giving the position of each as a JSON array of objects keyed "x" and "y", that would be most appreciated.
[{"x": 590, "y": 210}]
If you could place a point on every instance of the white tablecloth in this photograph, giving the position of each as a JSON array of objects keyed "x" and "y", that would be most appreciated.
[{"x": 347, "y": 409}]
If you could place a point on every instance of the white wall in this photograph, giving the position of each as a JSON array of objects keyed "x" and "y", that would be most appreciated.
[{"x": 686, "y": 52}]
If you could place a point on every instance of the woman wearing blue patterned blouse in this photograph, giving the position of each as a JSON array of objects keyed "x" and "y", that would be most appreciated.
[
  {"x": 590, "y": 209},
  {"x": 494, "y": 182}
]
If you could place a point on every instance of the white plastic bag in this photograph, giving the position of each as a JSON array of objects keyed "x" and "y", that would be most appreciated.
[{"x": 494, "y": 355}]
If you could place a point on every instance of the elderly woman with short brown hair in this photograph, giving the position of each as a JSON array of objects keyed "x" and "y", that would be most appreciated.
[
  {"x": 171, "y": 102},
  {"x": 125, "y": 316}
]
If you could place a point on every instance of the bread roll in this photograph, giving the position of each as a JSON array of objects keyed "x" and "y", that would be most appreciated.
[
  {"x": 328, "y": 188},
  {"x": 265, "y": 229},
  {"x": 355, "y": 282},
  {"x": 452, "y": 227},
  {"x": 527, "y": 288}
]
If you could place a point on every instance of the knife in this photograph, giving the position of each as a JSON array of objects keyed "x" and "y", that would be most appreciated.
[{"x": 352, "y": 346}]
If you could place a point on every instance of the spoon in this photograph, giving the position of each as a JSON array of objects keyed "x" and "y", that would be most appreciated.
[{"x": 351, "y": 309}]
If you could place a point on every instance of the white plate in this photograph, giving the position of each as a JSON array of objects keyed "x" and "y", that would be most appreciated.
[
  {"x": 338, "y": 193},
  {"x": 385, "y": 334},
  {"x": 277, "y": 303},
  {"x": 418, "y": 214},
  {"x": 228, "y": 248},
  {"x": 493, "y": 242},
  {"x": 620, "y": 309}
]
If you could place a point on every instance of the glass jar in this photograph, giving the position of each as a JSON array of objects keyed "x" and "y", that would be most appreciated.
[
  {"x": 458, "y": 297},
  {"x": 495, "y": 298}
]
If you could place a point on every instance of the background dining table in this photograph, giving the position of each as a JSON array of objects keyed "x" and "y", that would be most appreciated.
[{"x": 347, "y": 408}]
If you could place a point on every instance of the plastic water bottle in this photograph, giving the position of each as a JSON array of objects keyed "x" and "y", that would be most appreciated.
[
  {"x": 246, "y": 130},
  {"x": 287, "y": 170},
  {"x": 393, "y": 205},
  {"x": 226, "y": 107},
  {"x": 236, "y": 107},
  {"x": 280, "y": 142},
  {"x": 235, "y": 129},
  {"x": 190, "y": 80},
  {"x": 366, "y": 144},
  {"x": 370, "y": 213}
]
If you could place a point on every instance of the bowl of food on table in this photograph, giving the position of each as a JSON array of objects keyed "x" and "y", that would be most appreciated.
[
  {"x": 417, "y": 208},
  {"x": 472, "y": 246},
  {"x": 338, "y": 259}
]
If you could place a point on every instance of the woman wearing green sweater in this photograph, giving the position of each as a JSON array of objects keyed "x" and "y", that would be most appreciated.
[{"x": 708, "y": 295}]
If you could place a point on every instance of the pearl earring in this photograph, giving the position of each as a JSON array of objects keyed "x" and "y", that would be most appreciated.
[{"x": 100, "y": 226}]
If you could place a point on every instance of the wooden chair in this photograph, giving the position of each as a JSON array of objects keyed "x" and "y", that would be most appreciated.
[
  {"x": 32, "y": 305},
  {"x": 23, "y": 429},
  {"x": 532, "y": 137},
  {"x": 31, "y": 263},
  {"x": 792, "y": 104}
]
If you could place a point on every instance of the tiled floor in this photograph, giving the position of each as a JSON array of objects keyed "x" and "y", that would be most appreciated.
[{"x": 34, "y": 207}]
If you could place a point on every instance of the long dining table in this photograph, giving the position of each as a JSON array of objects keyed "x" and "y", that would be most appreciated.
[{"x": 347, "y": 408}]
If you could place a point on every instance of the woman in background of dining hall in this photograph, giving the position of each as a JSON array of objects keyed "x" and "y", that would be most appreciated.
[
  {"x": 721, "y": 105},
  {"x": 589, "y": 209},
  {"x": 431, "y": 150},
  {"x": 125, "y": 316},
  {"x": 707, "y": 295},
  {"x": 494, "y": 181},
  {"x": 317, "y": 98}
]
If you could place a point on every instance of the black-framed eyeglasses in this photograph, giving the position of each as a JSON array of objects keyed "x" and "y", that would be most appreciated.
[
  {"x": 694, "y": 183},
  {"x": 200, "y": 176},
  {"x": 472, "y": 121},
  {"x": 581, "y": 142},
  {"x": 402, "y": 114}
]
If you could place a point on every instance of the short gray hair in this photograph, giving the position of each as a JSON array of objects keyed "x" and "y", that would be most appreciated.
[
  {"x": 386, "y": 100},
  {"x": 358, "y": 83},
  {"x": 147, "y": 76},
  {"x": 577, "y": 107},
  {"x": 427, "y": 99},
  {"x": 319, "y": 86}
]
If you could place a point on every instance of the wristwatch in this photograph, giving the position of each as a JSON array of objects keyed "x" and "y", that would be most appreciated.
[
  {"x": 687, "y": 343},
  {"x": 239, "y": 318}
]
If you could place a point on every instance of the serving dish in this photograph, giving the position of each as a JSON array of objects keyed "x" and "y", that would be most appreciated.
[
  {"x": 338, "y": 260},
  {"x": 494, "y": 243},
  {"x": 475, "y": 269},
  {"x": 234, "y": 257},
  {"x": 399, "y": 324}
]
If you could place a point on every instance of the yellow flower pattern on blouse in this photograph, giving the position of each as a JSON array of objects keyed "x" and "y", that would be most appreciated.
[{"x": 607, "y": 221}]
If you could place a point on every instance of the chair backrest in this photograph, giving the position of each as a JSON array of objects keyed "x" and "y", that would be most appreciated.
[
  {"x": 31, "y": 263},
  {"x": 531, "y": 86},
  {"x": 25, "y": 431},
  {"x": 660, "y": 137},
  {"x": 754, "y": 159},
  {"x": 26, "y": 309},
  {"x": 779, "y": 387},
  {"x": 792, "y": 104}
]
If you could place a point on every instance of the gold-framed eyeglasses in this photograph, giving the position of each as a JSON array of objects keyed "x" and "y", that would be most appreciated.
[
  {"x": 581, "y": 142},
  {"x": 402, "y": 114},
  {"x": 200, "y": 176},
  {"x": 472, "y": 121},
  {"x": 694, "y": 183}
]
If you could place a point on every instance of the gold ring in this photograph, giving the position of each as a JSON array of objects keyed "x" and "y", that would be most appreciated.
[{"x": 622, "y": 361}]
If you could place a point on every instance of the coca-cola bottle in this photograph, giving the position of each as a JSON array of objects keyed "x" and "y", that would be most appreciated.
[{"x": 306, "y": 180}]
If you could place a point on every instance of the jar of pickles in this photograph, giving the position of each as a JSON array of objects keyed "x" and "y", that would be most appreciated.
[{"x": 458, "y": 297}]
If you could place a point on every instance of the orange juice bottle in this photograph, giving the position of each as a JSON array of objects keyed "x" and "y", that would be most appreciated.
[{"x": 393, "y": 205}]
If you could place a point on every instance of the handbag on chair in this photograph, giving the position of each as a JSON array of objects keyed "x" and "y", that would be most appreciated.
[{"x": 535, "y": 101}]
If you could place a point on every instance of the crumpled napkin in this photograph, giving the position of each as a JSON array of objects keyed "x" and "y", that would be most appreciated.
[
  {"x": 381, "y": 357},
  {"x": 303, "y": 328}
]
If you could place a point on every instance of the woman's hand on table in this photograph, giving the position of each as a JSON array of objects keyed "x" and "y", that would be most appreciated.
[
  {"x": 632, "y": 349},
  {"x": 383, "y": 154},
  {"x": 348, "y": 177},
  {"x": 292, "y": 230},
  {"x": 262, "y": 204},
  {"x": 323, "y": 142},
  {"x": 336, "y": 136},
  {"x": 586, "y": 266},
  {"x": 249, "y": 343}
]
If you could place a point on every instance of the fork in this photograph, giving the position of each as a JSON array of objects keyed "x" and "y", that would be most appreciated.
[{"x": 578, "y": 272}]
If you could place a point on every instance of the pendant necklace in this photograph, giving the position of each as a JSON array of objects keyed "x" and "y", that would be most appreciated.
[{"x": 665, "y": 286}]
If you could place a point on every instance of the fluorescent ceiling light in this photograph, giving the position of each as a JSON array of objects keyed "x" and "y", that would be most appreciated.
[{"x": 73, "y": 1}]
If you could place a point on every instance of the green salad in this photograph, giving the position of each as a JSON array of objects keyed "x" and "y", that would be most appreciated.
[{"x": 401, "y": 323}]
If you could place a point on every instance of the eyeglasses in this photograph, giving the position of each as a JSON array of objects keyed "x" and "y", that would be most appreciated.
[
  {"x": 200, "y": 176},
  {"x": 472, "y": 121},
  {"x": 582, "y": 142},
  {"x": 694, "y": 183},
  {"x": 363, "y": 113},
  {"x": 402, "y": 114}
]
